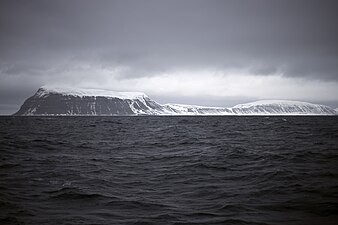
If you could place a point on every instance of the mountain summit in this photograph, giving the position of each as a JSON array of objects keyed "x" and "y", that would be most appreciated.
[{"x": 50, "y": 100}]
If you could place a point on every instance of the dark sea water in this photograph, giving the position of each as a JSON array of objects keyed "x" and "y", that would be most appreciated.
[{"x": 169, "y": 170}]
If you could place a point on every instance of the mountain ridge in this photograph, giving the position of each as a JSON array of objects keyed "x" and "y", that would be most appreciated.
[{"x": 50, "y": 100}]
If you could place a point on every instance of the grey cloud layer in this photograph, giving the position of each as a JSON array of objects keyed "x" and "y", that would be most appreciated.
[{"x": 296, "y": 38}]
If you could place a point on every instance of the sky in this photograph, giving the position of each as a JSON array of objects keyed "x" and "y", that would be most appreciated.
[{"x": 202, "y": 52}]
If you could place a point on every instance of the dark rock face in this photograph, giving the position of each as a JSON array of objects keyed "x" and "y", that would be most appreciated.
[{"x": 58, "y": 104}]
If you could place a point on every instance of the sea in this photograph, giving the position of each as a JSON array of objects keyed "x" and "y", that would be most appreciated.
[{"x": 169, "y": 170}]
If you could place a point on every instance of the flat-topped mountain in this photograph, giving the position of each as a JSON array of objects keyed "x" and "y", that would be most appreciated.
[
  {"x": 67, "y": 101},
  {"x": 70, "y": 101}
]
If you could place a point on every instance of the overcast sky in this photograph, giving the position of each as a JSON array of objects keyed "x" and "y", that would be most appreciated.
[{"x": 214, "y": 53}]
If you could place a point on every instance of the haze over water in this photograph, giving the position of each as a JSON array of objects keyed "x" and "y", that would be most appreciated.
[{"x": 169, "y": 170}]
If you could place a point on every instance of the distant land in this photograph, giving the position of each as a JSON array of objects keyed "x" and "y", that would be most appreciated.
[{"x": 60, "y": 101}]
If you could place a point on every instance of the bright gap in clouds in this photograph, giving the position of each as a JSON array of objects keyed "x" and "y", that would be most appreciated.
[
  {"x": 239, "y": 85},
  {"x": 203, "y": 84}
]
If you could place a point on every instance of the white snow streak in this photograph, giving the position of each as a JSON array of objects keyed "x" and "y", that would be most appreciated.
[{"x": 46, "y": 90}]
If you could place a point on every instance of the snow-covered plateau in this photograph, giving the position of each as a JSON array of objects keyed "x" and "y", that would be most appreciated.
[{"x": 50, "y": 100}]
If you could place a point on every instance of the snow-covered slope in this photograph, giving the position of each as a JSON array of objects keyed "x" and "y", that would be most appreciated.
[
  {"x": 80, "y": 92},
  {"x": 282, "y": 107},
  {"x": 70, "y": 101},
  {"x": 197, "y": 110}
]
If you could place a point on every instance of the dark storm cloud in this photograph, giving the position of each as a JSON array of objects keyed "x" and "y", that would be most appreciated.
[{"x": 297, "y": 38}]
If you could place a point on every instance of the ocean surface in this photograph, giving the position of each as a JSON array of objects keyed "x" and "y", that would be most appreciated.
[{"x": 169, "y": 170}]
